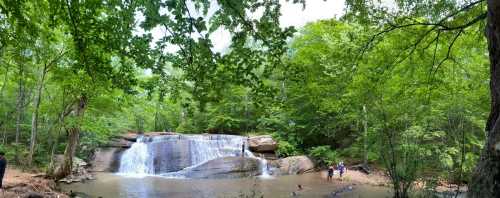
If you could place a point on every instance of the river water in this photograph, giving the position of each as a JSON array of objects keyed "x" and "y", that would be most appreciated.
[
  {"x": 109, "y": 185},
  {"x": 156, "y": 167}
]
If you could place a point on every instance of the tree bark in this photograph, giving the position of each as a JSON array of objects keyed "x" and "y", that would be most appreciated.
[
  {"x": 19, "y": 110},
  {"x": 34, "y": 118},
  {"x": 365, "y": 137},
  {"x": 73, "y": 139},
  {"x": 486, "y": 177}
]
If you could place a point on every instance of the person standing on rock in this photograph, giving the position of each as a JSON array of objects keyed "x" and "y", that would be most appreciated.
[
  {"x": 3, "y": 165},
  {"x": 243, "y": 149}
]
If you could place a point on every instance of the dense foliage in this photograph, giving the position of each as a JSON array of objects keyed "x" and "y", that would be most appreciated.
[{"x": 332, "y": 90}]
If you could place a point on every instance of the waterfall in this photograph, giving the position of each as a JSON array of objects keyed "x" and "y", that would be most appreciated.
[
  {"x": 264, "y": 166},
  {"x": 137, "y": 160},
  {"x": 170, "y": 155}
]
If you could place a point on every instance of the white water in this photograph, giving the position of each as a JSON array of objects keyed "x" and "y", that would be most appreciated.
[
  {"x": 139, "y": 159},
  {"x": 264, "y": 166}
]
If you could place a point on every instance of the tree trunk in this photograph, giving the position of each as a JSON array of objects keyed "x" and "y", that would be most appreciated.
[
  {"x": 19, "y": 111},
  {"x": 34, "y": 119},
  {"x": 365, "y": 137},
  {"x": 73, "y": 139},
  {"x": 486, "y": 177},
  {"x": 4, "y": 135}
]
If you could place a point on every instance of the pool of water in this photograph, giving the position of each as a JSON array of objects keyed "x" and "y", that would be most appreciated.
[{"x": 108, "y": 185}]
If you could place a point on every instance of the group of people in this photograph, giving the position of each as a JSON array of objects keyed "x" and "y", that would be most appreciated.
[{"x": 340, "y": 167}]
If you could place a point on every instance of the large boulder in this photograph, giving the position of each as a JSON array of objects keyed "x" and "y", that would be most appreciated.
[
  {"x": 263, "y": 143},
  {"x": 295, "y": 165},
  {"x": 226, "y": 167},
  {"x": 106, "y": 159}
]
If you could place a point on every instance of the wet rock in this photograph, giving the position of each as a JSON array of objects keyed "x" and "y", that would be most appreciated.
[
  {"x": 34, "y": 195},
  {"x": 171, "y": 156},
  {"x": 267, "y": 156},
  {"x": 119, "y": 143},
  {"x": 130, "y": 137},
  {"x": 295, "y": 165},
  {"x": 153, "y": 134},
  {"x": 106, "y": 159},
  {"x": 226, "y": 167},
  {"x": 263, "y": 143}
]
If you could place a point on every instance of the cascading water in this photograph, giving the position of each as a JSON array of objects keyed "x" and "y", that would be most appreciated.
[
  {"x": 136, "y": 160},
  {"x": 172, "y": 154},
  {"x": 264, "y": 166}
]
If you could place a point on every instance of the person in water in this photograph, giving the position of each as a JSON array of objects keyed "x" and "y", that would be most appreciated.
[
  {"x": 3, "y": 165},
  {"x": 330, "y": 173}
]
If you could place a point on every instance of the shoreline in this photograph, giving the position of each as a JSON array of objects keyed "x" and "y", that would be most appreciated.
[
  {"x": 17, "y": 183},
  {"x": 378, "y": 178}
]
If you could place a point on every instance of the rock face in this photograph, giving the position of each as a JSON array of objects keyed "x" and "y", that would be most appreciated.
[
  {"x": 119, "y": 143},
  {"x": 130, "y": 137},
  {"x": 295, "y": 165},
  {"x": 153, "y": 134},
  {"x": 226, "y": 167},
  {"x": 263, "y": 143},
  {"x": 106, "y": 159},
  {"x": 170, "y": 156},
  {"x": 79, "y": 170}
]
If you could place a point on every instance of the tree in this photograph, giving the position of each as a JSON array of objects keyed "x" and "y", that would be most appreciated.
[
  {"x": 100, "y": 33},
  {"x": 486, "y": 177},
  {"x": 459, "y": 18}
]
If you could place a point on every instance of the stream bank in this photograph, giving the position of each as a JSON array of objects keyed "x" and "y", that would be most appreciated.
[{"x": 17, "y": 184}]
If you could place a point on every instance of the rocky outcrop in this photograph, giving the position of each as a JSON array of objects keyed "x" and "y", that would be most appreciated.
[
  {"x": 295, "y": 165},
  {"x": 106, "y": 159},
  {"x": 171, "y": 156},
  {"x": 263, "y": 143},
  {"x": 153, "y": 134},
  {"x": 267, "y": 156},
  {"x": 226, "y": 167},
  {"x": 119, "y": 143},
  {"x": 79, "y": 170},
  {"x": 132, "y": 137}
]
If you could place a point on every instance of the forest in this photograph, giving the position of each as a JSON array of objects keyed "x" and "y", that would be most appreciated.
[{"x": 408, "y": 87}]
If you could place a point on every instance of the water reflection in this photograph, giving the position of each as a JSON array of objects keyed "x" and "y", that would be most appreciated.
[{"x": 111, "y": 185}]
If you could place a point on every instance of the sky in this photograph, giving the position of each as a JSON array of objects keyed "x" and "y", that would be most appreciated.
[{"x": 292, "y": 15}]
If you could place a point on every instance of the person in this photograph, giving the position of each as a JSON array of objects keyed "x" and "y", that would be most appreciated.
[
  {"x": 341, "y": 168},
  {"x": 243, "y": 149},
  {"x": 330, "y": 173},
  {"x": 3, "y": 165},
  {"x": 299, "y": 187}
]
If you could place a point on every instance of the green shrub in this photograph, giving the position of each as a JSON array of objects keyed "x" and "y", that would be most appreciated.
[
  {"x": 286, "y": 149},
  {"x": 324, "y": 155}
]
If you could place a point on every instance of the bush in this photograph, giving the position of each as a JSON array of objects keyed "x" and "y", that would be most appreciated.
[
  {"x": 286, "y": 149},
  {"x": 324, "y": 155}
]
